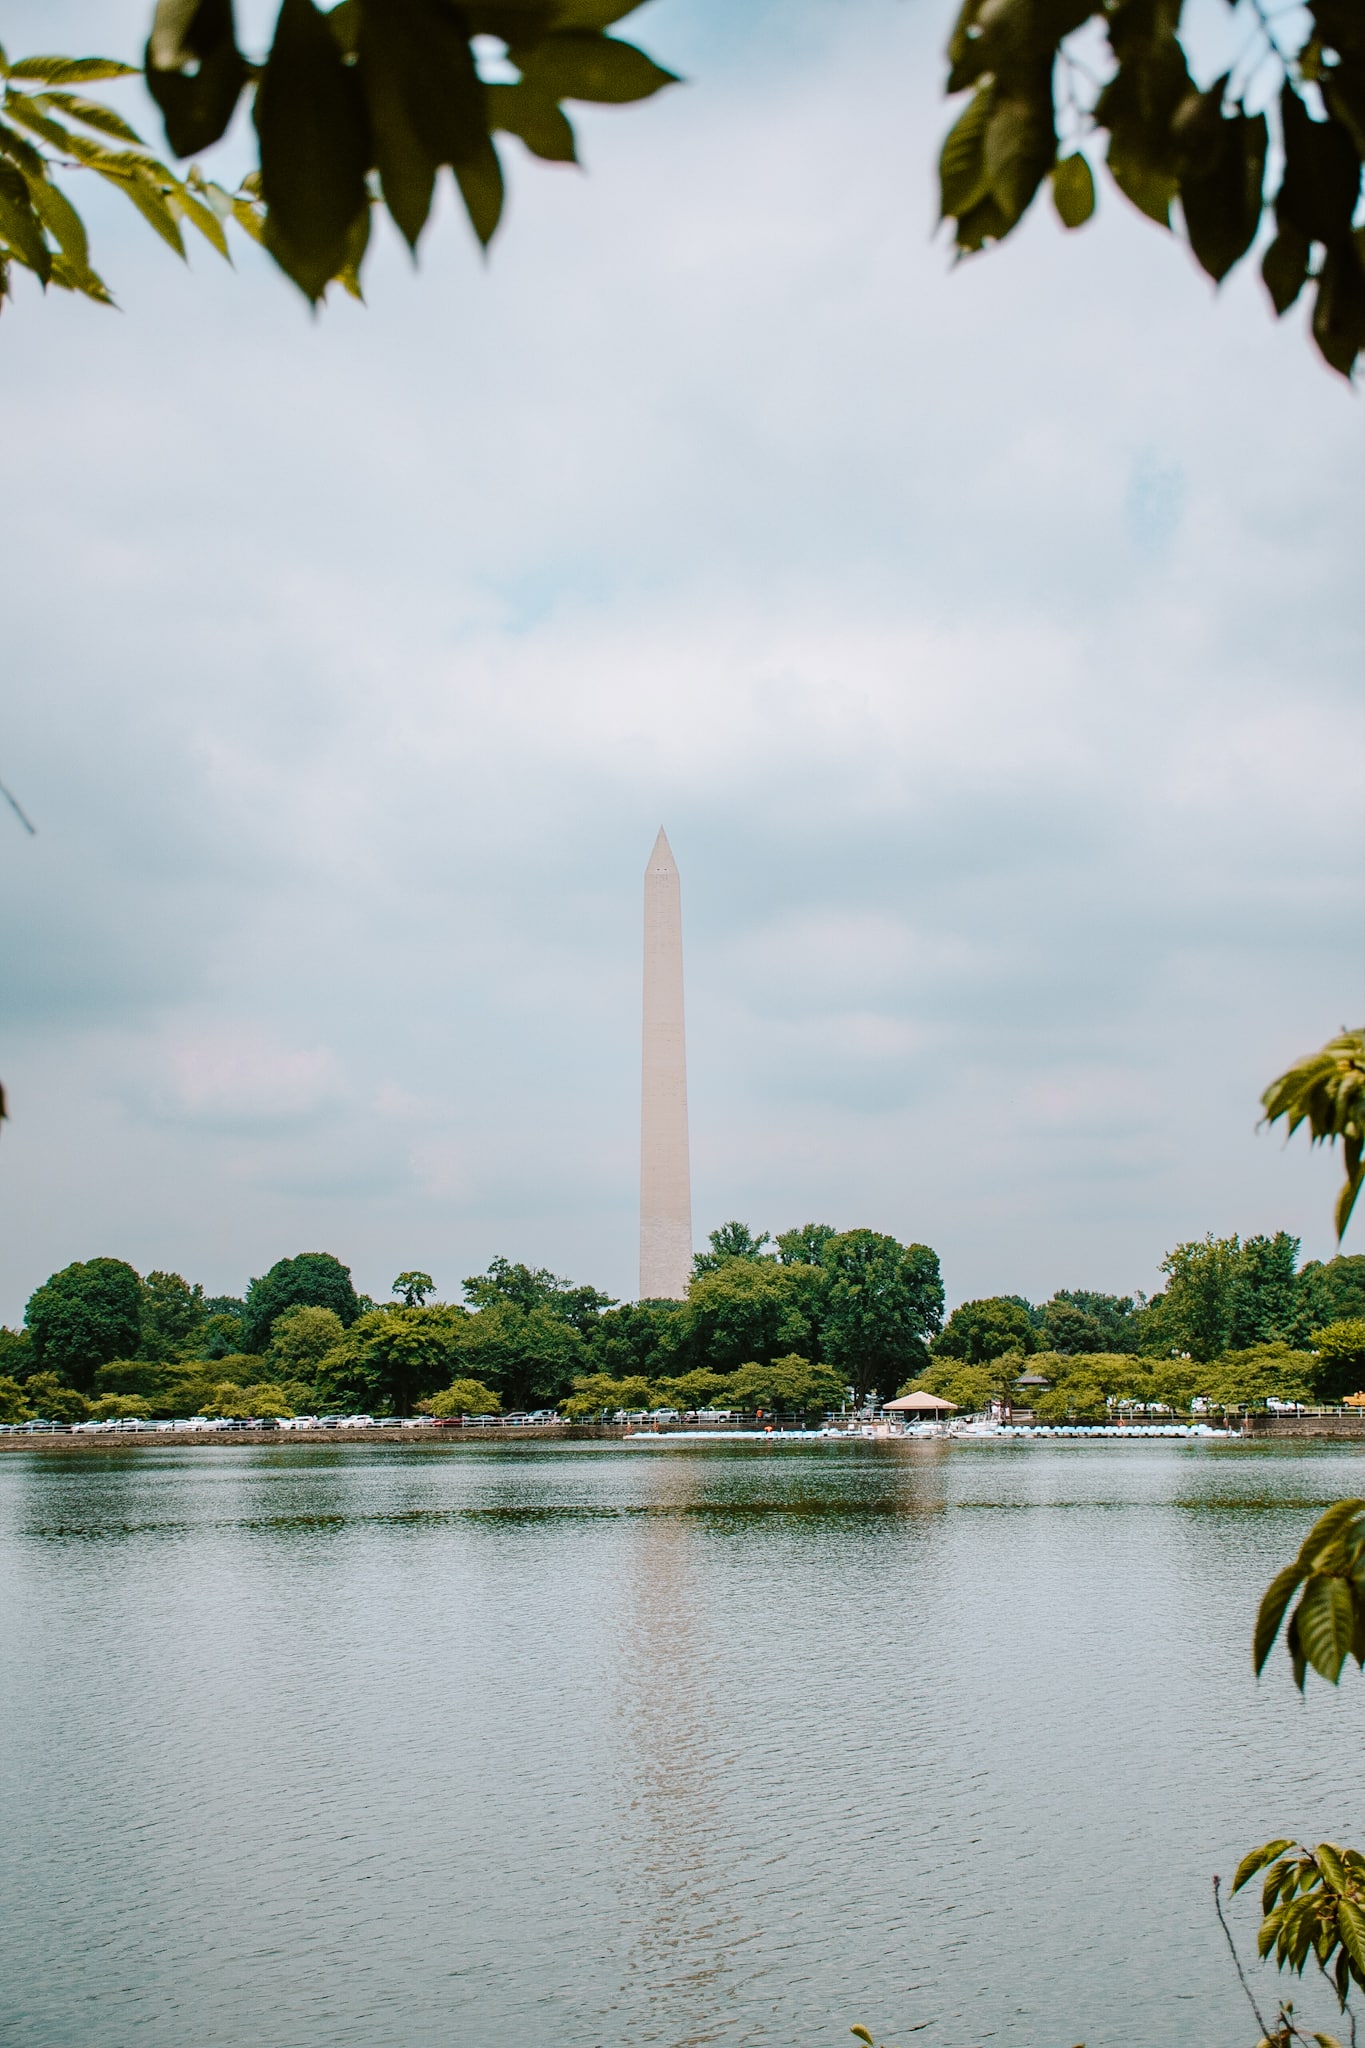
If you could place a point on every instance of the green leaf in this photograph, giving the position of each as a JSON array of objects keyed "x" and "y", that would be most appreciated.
[
  {"x": 1222, "y": 200},
  {"x": 149, "y": 201},
  {"x": 248, "y": 216},
  {"x": 1326, "y": 1621},
  {"x": 29, "y": 114},
  {"x": 1321, "y": 173},
  {"x": 70, "y": 70},
  {"x": 967, "y": 52},
  {"x": 1073, "y": 191},
  {"x": 1274, "y": 1601},
  {"x": 20, "y": 225},
  {"x": 1298, "y": 1663},
  {"x": 1346, "y": 1200},
  {"x": 1149, "y": 188},
  {"x": 481, "y": 189},
  {"x": 195, "y": 72},
  {"x": 83, "y": 280},
  {"x": 1268, "y": 1931},
  {"x": 62, "y": 222},
  {"x": 314, "y": 148},
  {"x": 94, "y": 114},
  {"x": 1020, "y": 146},
  {"x": 1285, "y": 267},
  {"x": 592, "y": 13},
  {"x": 962, "y": 159},
  {"x": 185, "y": 206},
  {"x": 357, "y": 243},
  {"x": 425, "y": 101},
  {"x": 344, "y": 22},
  {"x": 1351, "y": 1924},
  {"x": 1256, "y": 1859},
  {"x": 578, "y": 65},
  {"x": 21, "y": 151},
  {"x": 1343, "y": 93},
  {"x": 533, "y": 119},
  {"x": 1330, "y": 1530}
]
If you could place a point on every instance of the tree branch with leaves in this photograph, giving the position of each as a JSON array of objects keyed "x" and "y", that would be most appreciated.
[
  {"x": 363, "y": 104},
  {"x": 1038, "y": 107},
  {"x": 353, "y": 108},
  {"x": 1326, "y": 1090}
]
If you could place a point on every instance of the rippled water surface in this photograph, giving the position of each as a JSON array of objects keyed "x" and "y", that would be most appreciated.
[{"x": 551, "y": 1748}]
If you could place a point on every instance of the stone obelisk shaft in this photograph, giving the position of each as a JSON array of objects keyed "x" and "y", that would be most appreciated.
[{"x": 665, "y": 1169}]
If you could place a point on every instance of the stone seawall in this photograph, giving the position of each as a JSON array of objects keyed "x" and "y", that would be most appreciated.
[{"x": 1305, "y": 1425}]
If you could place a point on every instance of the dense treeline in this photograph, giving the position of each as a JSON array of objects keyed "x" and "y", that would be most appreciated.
[
  {"x": 822, "y": 1312},
  {"x": 1239, "y": 1323},
  {"x": 793, "y": 1325}
]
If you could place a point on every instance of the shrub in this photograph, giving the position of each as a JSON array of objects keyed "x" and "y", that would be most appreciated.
[
  {"x": 52, "y": 1402},
  {"x": 13, "y": 1406}
]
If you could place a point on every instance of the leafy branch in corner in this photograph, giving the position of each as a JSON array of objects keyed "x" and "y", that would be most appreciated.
[
  {"x": 46, "y": 128},
  {"x": 1169, "y": 141},
  {"x": 1328, "y": 1625},
  {"x": 1312, "y": 1899},
  {"x": 357, "y": 106},
  {"x": 1327, "y": 1092},
  {"x": 1312, "y": 1904}
]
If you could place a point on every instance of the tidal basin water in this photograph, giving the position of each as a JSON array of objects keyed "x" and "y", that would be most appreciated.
[{"x": 560, "y": 1747}]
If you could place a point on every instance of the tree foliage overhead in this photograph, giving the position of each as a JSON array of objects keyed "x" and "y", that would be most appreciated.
[
  {"x": 46, "y": 127},
  {"x": 1038, "y": 106},
  {"x": 359, "y": 105},
  {"x": 364, "y": 103}
]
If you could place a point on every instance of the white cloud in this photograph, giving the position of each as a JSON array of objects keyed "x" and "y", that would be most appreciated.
[{"x": 239, "y": 1079}]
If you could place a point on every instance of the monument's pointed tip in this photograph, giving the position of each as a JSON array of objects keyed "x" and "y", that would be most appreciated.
[{"x": 662, "y": 855}]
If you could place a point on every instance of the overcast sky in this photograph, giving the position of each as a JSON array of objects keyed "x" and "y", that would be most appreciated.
[{"x": 987, "y": 640}]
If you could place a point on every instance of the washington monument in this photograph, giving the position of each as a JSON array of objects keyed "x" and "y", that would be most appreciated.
[{"x": 665, "y": 1171}]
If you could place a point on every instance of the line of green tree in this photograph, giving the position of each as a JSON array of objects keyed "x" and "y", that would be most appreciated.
[
  {"x": 826, "y": 1315},
  {"x": 1060, "y": 1387},
  {"x": 860, "y": 1308},
  {"x": 1238, "y": 1323}
]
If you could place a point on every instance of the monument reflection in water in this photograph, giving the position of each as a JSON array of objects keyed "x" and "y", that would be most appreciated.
[{"x": 672, "y": 1884}]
